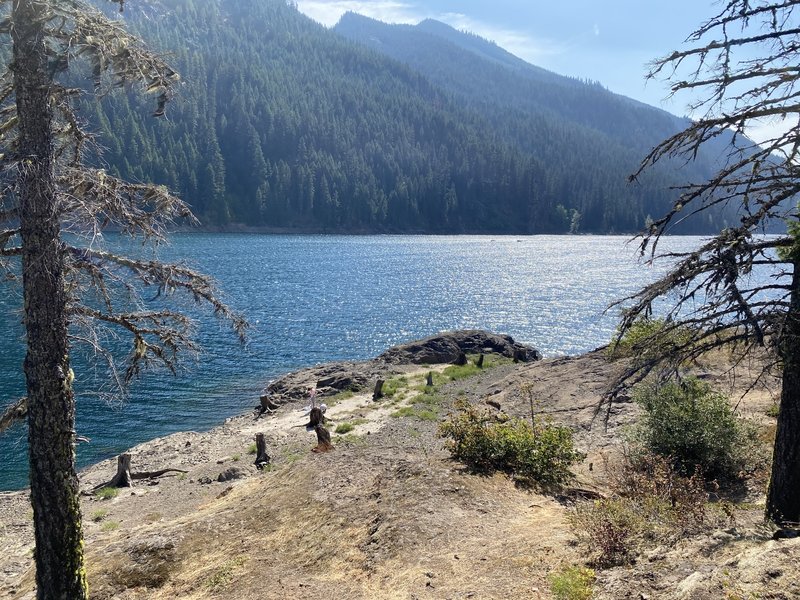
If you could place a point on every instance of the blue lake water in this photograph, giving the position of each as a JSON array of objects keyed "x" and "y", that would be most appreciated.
[{"x": 315, "y": 298}]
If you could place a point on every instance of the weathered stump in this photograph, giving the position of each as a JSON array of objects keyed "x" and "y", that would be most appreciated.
[
  {"x": 262, "y": 458},
  {"x": 266, "y": 405},
  {"x": 377, "y": 394},
  {"x": 315, "y": 417},
  {"x": 461, "y": 360},
  {"x": 323, "y": 440},
  {"x": 479, "y": 363},
  {"x": 429, "y": 379},
  {"x": 123, "y": 477}
]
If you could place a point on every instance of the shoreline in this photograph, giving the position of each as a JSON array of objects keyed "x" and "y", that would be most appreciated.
[
  {"x": 382, "y": 515},
  {"x": 290, "y": 387}
]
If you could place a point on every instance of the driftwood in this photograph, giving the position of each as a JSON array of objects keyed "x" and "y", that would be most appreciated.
[
  {"x": 479, "y": 363},
  {"x": 262, "y": 458},
  {"x": 377, "y": 394},
  {"x": 429, "y": 379},
  {"x": 124, "y": 477},
  {"x": 151, "y": 474},
  {"x": 323, "y": 440}
]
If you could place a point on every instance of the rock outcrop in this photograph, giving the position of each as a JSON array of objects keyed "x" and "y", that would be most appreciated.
[
  {"x": 446, "y": 348},
  {"x": 331, "y": 378}
]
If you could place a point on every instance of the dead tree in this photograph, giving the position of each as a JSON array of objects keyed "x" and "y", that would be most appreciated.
[
  {"x": 741, "y": 68},
  {"x": 377, "y": 394},
  {"x": 262, "y": 458},
  {"x": 48, "y": 191}
]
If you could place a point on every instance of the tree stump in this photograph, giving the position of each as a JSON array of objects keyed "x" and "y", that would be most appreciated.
[
  {"x": 123, "y": 477},
  {"x": 377, "y": 394},
  {"x": 429, "y": 379},
  {"x": 262, "y": 458},
  {"x": 461, "y": 360},
  {"x": 323, "y": 440},
  {"x": 315, "y": 417},
  {"x": 267, "y": 405},
  {"x": 479, "y": 363}
]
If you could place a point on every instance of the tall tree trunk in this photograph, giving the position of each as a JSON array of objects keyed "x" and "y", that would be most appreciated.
[
  {"x": 783, "y": 496},
  {"x": 51, "y": 403}
]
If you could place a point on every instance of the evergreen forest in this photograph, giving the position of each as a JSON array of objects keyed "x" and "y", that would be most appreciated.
[{"x": 282, "y": 124}]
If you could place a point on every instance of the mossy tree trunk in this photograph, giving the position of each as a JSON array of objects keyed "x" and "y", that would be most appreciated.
[
  {"x": 51, "y": 403},
  {"x": 783, "y": 496}
]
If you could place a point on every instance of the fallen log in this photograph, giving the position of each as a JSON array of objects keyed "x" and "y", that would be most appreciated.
[{"x": 124, "y": 477}]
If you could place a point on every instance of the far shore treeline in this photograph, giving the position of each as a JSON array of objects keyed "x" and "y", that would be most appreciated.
[{"x": 281, "y": 123}]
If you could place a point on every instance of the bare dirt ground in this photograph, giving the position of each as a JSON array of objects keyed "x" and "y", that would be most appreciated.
[{"x": 388, "y": 514}]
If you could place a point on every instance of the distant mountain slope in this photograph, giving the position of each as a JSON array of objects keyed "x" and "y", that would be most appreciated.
[{"x": 282, "y": 123}]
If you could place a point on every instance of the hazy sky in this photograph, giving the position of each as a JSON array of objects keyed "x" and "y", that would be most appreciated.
[{"x": 605, "y": 40}]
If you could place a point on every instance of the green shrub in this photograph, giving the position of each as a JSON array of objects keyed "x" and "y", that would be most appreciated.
[
  {"x": 394, "y": 385},
  {"x": 416, "y": 412},
  {"x": 543, "y": 453},
  {"x": 109, "y": 526},
  {"x": 696, "y": 427},
  {"x": 572, "y": 583},
  {"x": 456, "y": 372},
  {"x": 106, "y": 493},
  {"x": 99, "y": 515},
  {"x": 343, "y": 428}
]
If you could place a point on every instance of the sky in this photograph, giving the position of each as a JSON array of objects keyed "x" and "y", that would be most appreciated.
[{"x": 610, "y": 41}]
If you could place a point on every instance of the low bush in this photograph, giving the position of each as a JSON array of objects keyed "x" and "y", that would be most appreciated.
[
  {"x": 542, "y": 453},
  {"x": 572, "y": 583},
  {"x": 650, "y": 502},
  {"x": 343, "y": 428},
  {"x": 107, "y": 493},
  {"x": 696, "y": 427}
]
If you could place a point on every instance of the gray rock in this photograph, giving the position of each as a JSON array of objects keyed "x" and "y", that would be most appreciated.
[
  {"x": 231, "y": 473},
  {"x": 446, "y": 348}
]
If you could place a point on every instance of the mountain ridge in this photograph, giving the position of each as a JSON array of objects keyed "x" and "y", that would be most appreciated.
[{"x": 283, "y": 124}]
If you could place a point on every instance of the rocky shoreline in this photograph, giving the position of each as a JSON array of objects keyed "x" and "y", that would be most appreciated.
[
  {"x": 332, "y": 378},
  {"x": 387, "y": 514}
]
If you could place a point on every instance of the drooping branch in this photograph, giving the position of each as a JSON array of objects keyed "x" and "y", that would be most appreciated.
[
  {"x": 166, "y": 278},
  {"x": 13, "y": 413},
  {"x": 94, "y": 200}
]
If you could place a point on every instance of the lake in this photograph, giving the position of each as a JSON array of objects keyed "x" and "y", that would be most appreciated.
[{"x": 317, "y": 298}]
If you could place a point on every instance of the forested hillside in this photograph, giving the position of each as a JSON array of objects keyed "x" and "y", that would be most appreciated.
[{"x": 282, "y": 123}]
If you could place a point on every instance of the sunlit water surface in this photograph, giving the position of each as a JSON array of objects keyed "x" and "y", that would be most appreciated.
[{"x": 312, "y": 299}]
